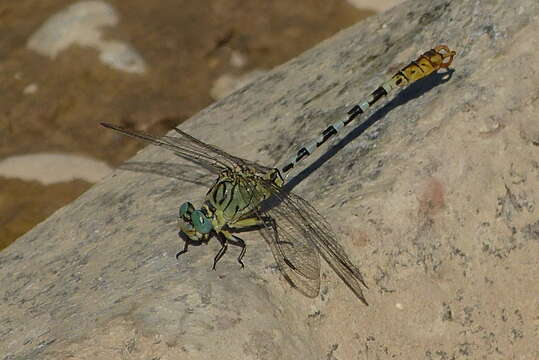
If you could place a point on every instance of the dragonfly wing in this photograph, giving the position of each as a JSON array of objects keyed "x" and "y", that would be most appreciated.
[
  {"x": 296, "y": 258},
  {"x": 189, "y": 173},
  {"x": 300, "y": 216},
  {"x": 231, "y": 159},
  {"x": 190, "y": 148}
]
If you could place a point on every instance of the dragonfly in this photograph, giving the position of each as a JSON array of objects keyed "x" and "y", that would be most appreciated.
[{"x": 248, "y": 196}]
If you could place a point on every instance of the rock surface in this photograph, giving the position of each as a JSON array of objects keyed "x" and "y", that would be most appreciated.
[{"x": 436, "y": 202}]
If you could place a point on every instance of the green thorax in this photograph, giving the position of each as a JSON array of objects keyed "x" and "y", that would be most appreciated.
[{"x": 237, "y": 193}]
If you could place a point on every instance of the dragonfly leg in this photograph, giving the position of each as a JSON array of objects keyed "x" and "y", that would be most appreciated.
[
  {"x": 246, "y": 223},
  {"x": 182, "y": 251},
  {"x": 222, "y": 251},
  {"x": 234, "y": 240},
  {"x": 187, "y": 241},
  {"x": 243, "y": 249}
]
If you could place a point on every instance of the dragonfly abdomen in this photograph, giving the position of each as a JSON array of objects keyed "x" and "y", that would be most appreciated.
[{"x": 430, "y": 61}]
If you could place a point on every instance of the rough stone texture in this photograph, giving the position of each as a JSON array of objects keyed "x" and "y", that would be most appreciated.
[{"x": 437, "y": 203}]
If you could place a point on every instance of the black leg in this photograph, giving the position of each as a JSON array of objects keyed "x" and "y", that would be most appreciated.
[
  {"x": 243, "y": 249},
  {"x": 188, "y": 241},
  {"x": 184, "y": 249},
  {"x": 239, "y": 242},
  {"x": 222, "y": 251}
]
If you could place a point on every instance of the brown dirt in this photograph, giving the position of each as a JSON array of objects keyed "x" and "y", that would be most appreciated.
[
  {"x": 23, "y": 204},
  {"x": 187, "y": 46}
]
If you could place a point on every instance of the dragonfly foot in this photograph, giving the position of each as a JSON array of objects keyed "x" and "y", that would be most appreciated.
[{"x": 183, "y": 251}]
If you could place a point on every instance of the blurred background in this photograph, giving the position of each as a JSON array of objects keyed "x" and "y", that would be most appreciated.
[{"x": 66, "y": 65}]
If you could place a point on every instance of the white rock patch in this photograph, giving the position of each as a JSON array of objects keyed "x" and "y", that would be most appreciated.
[
  {"x": 81, "y": 24},
  {"x": 50, "y": 168},
  {"x": 378, "y": 5},
  {"x": 30, "y": 89}
]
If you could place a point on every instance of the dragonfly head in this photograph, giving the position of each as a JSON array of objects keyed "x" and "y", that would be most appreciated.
[{"x": 196, "y": 224}]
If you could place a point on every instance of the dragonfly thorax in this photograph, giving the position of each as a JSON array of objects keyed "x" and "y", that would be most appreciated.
[{"x": 236, "y": 195}]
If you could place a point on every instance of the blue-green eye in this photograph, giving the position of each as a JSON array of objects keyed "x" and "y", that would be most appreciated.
[
  {"x": 186, "y": 209},
  {"x": 201, "y": 223}
]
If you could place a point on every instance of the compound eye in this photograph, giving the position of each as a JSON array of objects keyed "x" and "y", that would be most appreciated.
[
  {"x": 186, "y": 209},
  {"x": 201, "y": 223}
]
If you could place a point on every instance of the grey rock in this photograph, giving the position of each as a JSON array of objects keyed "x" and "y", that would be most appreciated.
[{"x": 436, "y": 202}]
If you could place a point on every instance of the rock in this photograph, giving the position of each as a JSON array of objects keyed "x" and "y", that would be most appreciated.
[
  {"x": 380, "y": 5},
  {"x": 50, "y": 168},
  {"x": 81, "y": 24},
  {"x": 440, "y": 215},
  {"x": 30, "y": 89}
]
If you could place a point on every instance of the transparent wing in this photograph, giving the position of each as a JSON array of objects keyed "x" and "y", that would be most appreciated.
[
  {"x": 300, "y": 224},
  {"x": 192, "y": 149},
  {"x": 194, "y": 174},
  {"x": 295, "y": 256}
]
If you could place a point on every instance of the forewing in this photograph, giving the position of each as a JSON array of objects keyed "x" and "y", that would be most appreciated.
[
  {"x": 305, "y": 221},
  {"x": 192, "y": 149},
  {"x": 231, "y": 159},
  {"x": 194, "y": 174}
]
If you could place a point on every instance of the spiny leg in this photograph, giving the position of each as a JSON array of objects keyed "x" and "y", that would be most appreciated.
[
  {"x": 187, "y": 242},
  {"x": 241, "y": 225},
  {"x": 246, "y": 224},
  {"x": 234, "y": 240},
  {"x": 222, "y": 251},
  {"x": 182, "y": 251}
]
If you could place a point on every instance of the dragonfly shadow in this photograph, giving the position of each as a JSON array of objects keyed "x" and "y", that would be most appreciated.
[
  {"x": 183, "y": 172},
  {"x": 413, "y": 91}
]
